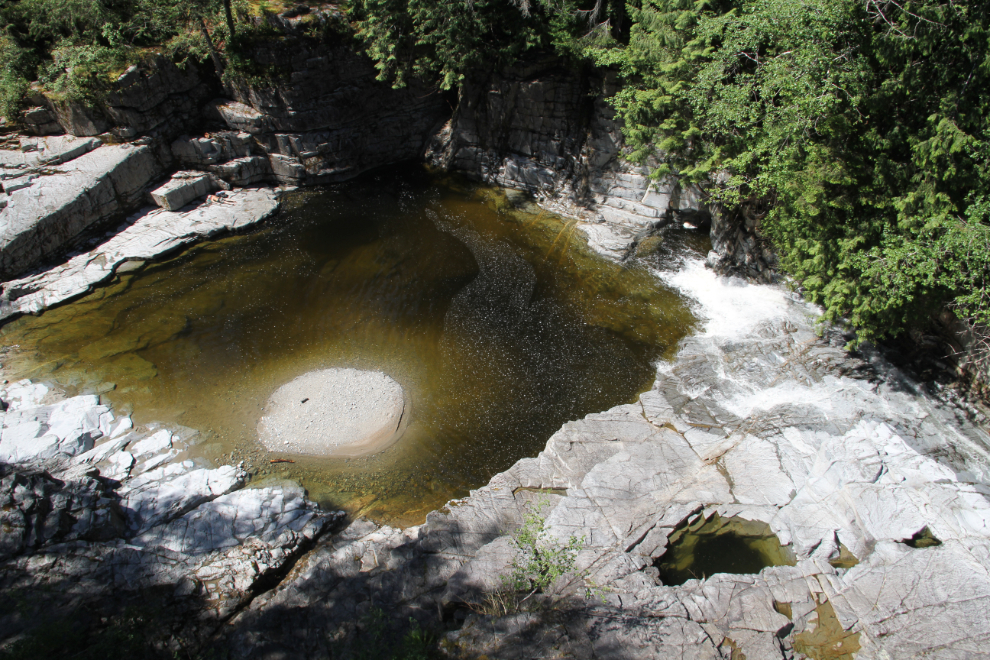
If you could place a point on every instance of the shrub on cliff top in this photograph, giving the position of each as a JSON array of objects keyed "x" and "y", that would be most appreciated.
[
  {"x": 76, "y": 46},
  {"x": 15, "y": 67},
  {"x": 451, "y": 40}
]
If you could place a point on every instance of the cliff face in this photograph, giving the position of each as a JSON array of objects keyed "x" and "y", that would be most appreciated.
[
  {"x": 542, "y": 126},
  {"x": 548, "y": 129},
  {"x": 331, "y": 120},
  {"x": 154, "y": 98}
]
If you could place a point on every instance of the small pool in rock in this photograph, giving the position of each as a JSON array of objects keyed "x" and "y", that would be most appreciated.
[
  {"x": 705, "y": 547},
  {"x": 498, "y": 324}
]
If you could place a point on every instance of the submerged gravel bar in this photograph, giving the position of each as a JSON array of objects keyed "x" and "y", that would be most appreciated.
[{"x": 333, "y": 412}]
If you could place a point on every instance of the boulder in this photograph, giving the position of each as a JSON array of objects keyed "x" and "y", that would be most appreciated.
[
  {"x": 181, "y": 189},
  {"x": 287, "y": 169},
  {"x": 239, "y": 116},
  {"x": 216, "y": 148},
  {"x": 197, "y": 151},
  {"x": 79, "y": 118},
  {"x": 39, "y": 120}
]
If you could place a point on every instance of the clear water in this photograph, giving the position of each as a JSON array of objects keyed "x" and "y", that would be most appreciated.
[
  {"x": 499, "y": 324},
  {"x": 720, "y": 545}
]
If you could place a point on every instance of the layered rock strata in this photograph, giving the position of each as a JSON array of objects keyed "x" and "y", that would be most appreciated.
[
  {"x": 99, "y": 512},
  {"x": 48, "y": 206},
  {"x": 540, "y": 126},
  {"x": 156, "y": 97},
  {"x": 145, "y": 235},
  {"x": 550, "y": 131},
  {"x": 331, "y": 119}
]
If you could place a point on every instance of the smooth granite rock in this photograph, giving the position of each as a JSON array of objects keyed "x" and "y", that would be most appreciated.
[
  {"x": 149, "y": 234},
  {"x": 754, "y": 419},
  {"x": 41, "y": 220},
  {"x": 43, "y": 433}
]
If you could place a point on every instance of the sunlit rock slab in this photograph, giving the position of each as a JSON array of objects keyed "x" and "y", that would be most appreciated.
[
  {"x": 58, "y": 203},
  {"x": 754, "y": 419},
  {"x": 129, "y": 514},
  {"x": 149, "y": 234}
]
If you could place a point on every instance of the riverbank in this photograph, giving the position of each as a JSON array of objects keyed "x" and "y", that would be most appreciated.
[{"x": 846, "y": 462}]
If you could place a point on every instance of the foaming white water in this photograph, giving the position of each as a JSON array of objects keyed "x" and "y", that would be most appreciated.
[{"x": 731, "y": 307}]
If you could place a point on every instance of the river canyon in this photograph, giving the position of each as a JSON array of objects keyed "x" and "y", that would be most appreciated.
[{"x": 570, "y": 336}]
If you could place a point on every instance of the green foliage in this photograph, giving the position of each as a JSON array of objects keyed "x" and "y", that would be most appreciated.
[
  {"x": 542, "y": 560},
  {"x": 539, "y": 569},
  {"x": 47, "y": 23},
  {"x": 450, "y": 40},
  {"x": 856, "y": 129},
  {"x": 77, "y": 47},
  {"x": 242, "y": 61},
  {"x": 77, "y": 72},
  {"x": 15, "y": 67}
]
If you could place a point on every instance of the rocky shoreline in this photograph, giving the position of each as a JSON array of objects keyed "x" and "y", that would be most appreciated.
[
  {"x": 756, "y": 418},
  {"x": 877, "y": 490}
]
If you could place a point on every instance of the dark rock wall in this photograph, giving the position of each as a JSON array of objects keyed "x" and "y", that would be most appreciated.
[
  {"x": 331, "y": 120},
  {"x": 547, "y": 128},
  {"x": 155, "y": 98},
  {"x": 738, "y": 248}
]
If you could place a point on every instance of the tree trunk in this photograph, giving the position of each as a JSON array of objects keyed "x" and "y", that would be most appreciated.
[
  {"x": 217, "y": 62},
  {"x": 230, "y": 16}
]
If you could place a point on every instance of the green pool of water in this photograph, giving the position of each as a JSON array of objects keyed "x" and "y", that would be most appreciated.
[
  {"x": 499, "y": 324},
  {"x": 705, "y": 547}
]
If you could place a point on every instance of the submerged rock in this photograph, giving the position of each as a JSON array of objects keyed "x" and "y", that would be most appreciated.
[{"x": 181, "y": 189}]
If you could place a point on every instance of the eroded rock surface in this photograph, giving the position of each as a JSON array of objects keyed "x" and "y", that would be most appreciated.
[
  {"x": 57, "y": 203},
  {"x": 754, "y": 419},
  {"x": 128, "y": 518},
  {"x": 148, "y": 234}
]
